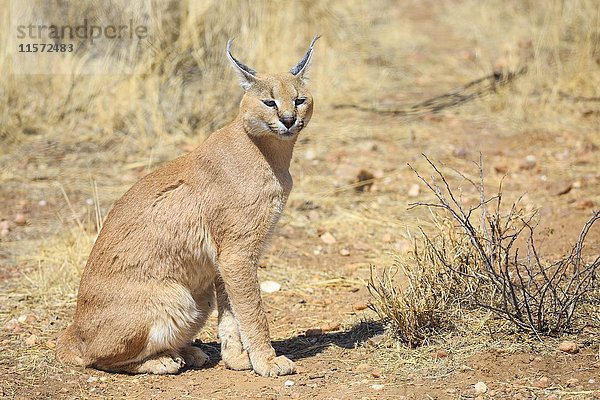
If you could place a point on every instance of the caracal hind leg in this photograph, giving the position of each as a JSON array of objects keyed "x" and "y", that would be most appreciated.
[
  {"x": 232, "y": 352},
  {"x": 160, "y": 364},
  {"x": 194, "y": 357},
  {"x": 205, "y": 301},
  {"x": 238, "y": 271}
]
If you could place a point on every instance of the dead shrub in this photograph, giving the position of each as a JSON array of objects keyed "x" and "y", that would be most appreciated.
[{"x": 484, "y": 257}]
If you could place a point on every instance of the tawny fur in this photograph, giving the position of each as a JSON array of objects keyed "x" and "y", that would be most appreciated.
[{"x": 191, "y": 229}]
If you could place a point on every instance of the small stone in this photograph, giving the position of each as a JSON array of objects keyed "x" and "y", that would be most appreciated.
[
  {"x": 27, "y": 318},
  {"x": 360, "y": 306},
  {"x": 12, "y": 324},
  {"x": 31, "y": 340},
  {"x": 89, "y": 202},
  {"x": 566, "y": 188},
  {"x": 328, "y": 238},
  {"x": 345, "y": 252},
  {"x": 528, "y": 163},
  {"x": 414, "y": 190},
  {"x": 314, "y": 215},
  {"x": 480, "y": 388},
  {"x": 572, "y": 382},
  {"x": 20, "y": 219},
  {"x": 313, "y": 332},
  {"x": 270, "y": 286},
  {"x": 364, "y": 180},
  {"x": 439, "y": 354},
  {"x": 501, "y": 168},
  {"x": 387, "y": 238},
  {"x": 377, "y": 386},
  {"x": 288, "y": 383},
  {"x": 569, "y": 347},
  {"x": 460, "y": 152},
  {"x": 327, "y": 301},
  {"x": 592, "y": 381},
  {"x": 310, "y": 154},
  {"x": 542, "y": 383},
  {"x": 376, "y": 373},
  {"x": 368, "y": 146},
  {"x": 363, "y": 367},
  {"x": 584, "y": 204},
  {"x": 376, "y": 340},
  {"x": 42, "y": 203},
  {"x": 91, "y": 379},
  {"x": 329, "y": 327}
]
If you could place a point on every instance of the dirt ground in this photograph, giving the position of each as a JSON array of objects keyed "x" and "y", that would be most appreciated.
[{"x": 324, "y": 281}]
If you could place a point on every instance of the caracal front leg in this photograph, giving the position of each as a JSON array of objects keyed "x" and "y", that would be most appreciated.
[
  {"x": 232, "y": 351},
  {"x": 238, "y": 273}
]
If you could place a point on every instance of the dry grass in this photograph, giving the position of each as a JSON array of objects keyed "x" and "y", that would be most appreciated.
[{"x": 87, "y": 131}]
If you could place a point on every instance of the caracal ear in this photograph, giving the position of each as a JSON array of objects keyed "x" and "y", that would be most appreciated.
[
  {"x": 300, "y": 69},
  {"x": 246, "y": 74}
]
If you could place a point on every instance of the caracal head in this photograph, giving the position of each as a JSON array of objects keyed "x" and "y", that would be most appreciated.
[{"x": 279, "y": 105}]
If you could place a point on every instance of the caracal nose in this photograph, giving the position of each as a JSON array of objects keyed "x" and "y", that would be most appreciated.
[{"x": 288, "y": 121}]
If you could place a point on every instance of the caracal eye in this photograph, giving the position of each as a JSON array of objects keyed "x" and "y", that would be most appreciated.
[
  {"x": 299, "y": 100},
  {"x": 270, "y": 103}
]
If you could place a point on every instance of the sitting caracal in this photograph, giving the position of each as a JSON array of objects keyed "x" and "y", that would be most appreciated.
[{"x": 192, "y": 228}]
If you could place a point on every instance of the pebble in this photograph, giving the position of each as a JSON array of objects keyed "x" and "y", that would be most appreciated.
[
  {"x": 572, "y": 382},
  {"x": 12, "y": 324},
  {"x": 360, "y": 306},
  {"x": 27, "y": 318},
  {"x": 364, "y": 181},
  {"x": 270, "y": 286},
  {"x": 377, "y": 340},
  {"x": 414, "y": 190},
  {"x": 20, "y": 219},
  {"x": 329, "y": 327},
  {"x": 460, "y": 152},
  {"x": 528, "y": 163},
  {"x": 314, "y": 215},
  {"x": 92, "y": 379},
  {"x": 439, "y": 354},
  {"x": 313, "y": 332},
  {"x": 377, "y": 386},
  {"x": 288, "y": 383},
  {"x": 543, "y": 383},
  {"x": 42, "y": 203},
  {"x": 583, "y": 204},
  {"x": 310, "y": 154},
  {"x": 480, "y": 388},
  {"x": 31, "y": 340},
  {"x": 344, "y": 252},
  {"x": 501, "y": 168},
  {"x": 328, "y": 238},
  {"x": 569, "y": 347},
  {"x": 376, "y": 373}
]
